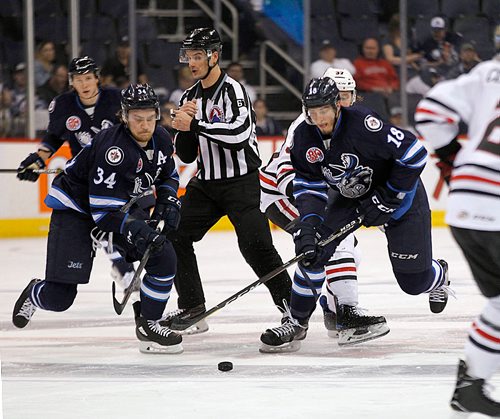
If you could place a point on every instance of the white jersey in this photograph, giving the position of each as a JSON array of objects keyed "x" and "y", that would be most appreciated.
[
  {"x": 474, "y": 198},
  {"x": 279, "y": 172}
]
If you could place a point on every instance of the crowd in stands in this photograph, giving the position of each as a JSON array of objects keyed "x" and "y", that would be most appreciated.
[{"x": 436, "y": 51}]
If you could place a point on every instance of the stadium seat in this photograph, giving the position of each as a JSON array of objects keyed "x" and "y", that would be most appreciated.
[
  {"x": 421, "y": 29},
  {"x": 13, "y": 52},
  {"x": 145, "y": 27},
  {"x": 323, "y": 8},
  {"x": 48, "y": 8},
  {"x": 474, "y": 28},
  {"x": 97, "y": 28},
  {"x": 425, "y": 8},
  {"x": 11, "y": 8},
  {"x": 491, "y": 8},
  {"x": 455, "y": 8},
  {"x": 115, "y": 9},
  {"x": 358, "y": 7},
  {"x": 52, "y": 28},
  {"x": 358, "y": 28}
]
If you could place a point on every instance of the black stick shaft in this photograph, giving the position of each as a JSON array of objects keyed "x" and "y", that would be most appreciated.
[{"x": 348, "y": 227}]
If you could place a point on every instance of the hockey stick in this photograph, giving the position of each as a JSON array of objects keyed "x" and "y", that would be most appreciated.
[
  {"x": 37, "y": 171},
  {"x": 120, "y": 306},
  {"x": 343, "y": 230}
]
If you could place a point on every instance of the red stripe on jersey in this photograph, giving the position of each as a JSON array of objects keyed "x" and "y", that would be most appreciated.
[
  {"x": 266, "y": 180},
  {"x": 484, "y": 334},
  {"x": 345, "y": 269},
  {"x": 287, "y": 209},
  {"x": 423, "y": 110},
  {"x": 281, "y": 171},
  {"x": 476, "y": 178}
]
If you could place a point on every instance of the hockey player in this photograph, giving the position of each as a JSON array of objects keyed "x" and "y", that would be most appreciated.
[
  {"x": 473, "y": 210},
  {"x": 76, "y": 117},
  {"x": 375, "y": 167},
  {"x": 121, "y": 162},
  {"x": 341, "y": 286},
  {"x": 216, "y": 127}
]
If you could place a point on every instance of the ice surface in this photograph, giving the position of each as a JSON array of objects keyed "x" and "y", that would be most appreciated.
[{"x": 84, "y": 363}]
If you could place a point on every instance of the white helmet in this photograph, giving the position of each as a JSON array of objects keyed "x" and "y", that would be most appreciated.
[{"x": 343, "y": 79}]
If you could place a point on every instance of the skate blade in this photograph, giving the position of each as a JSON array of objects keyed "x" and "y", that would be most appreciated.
[
  {"x": 292, "y": 346},
  {"x": 153, "y": 348},
  {"x": 354, "y": 336},
  {"x": 332, "y": 334},
  {"x": 195, "y": 329}
]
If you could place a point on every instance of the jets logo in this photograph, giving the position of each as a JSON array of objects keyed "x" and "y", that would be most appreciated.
[
  {"x": 52, "y": 106},
  {"x": 216, "y": 114},
  {"x": 314, "y": 155},
  {"x": 373, "y": 124},
  {"x": 114, "y": 156},
  {"x": 73, "y": 123}
]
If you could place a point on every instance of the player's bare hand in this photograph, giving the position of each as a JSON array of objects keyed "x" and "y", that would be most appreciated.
[
  {"x": 182, "y": 121},
  {"x": 189, "y": 107}
]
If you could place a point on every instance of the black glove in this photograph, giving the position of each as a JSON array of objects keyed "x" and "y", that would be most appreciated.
[
  {"x": 168, "y": 210},
  {"x": 25, "y": 169},
  {"x": 446, "y": 157},
  {"x": 304, "y": 236},
  {"x": 141, "y": 235},
  {"x": 379, "y": 207}
]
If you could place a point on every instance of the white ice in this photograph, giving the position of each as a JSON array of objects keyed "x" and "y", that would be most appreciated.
[{"x": 84, "y": 363}]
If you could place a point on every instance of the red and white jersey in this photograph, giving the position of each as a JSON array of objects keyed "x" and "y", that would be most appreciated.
[
  {"x": 474, "y": 198},
  {"x": 278, "y": 173}
]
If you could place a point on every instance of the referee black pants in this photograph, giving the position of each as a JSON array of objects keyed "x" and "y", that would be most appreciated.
[{"x": 204, "y": 203}]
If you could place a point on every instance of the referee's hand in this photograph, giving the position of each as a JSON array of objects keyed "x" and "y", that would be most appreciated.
[
  {"x": 181, "y": 121},
  {"x": 189, "y": 107}
]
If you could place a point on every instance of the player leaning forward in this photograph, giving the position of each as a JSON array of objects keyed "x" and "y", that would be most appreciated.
[
  {"x": 121, "y": 162},
  {"x": 374, "y": 169}
]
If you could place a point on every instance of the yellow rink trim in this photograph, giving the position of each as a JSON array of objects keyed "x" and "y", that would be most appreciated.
[{"x": 38, "y": 227}]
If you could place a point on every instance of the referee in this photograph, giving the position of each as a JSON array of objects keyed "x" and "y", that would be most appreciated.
[{"x": 216, "y": 126}]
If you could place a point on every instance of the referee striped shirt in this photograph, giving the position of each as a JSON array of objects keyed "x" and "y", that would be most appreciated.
[{"x": 224, "y": 129}]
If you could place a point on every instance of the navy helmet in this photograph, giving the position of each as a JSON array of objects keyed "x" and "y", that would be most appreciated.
[
  {"x": 139, "y": 96},
  {"x": 82, "y": 65}
]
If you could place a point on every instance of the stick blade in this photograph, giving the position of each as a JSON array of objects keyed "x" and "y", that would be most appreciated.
[{"x": 116, "y": 304}]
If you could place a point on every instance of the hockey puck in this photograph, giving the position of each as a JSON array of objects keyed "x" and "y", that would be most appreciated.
[{"x": 225, "y": 366}]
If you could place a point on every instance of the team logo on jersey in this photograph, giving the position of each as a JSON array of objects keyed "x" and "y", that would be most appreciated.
[
  {"x": 52, "y": 105},
  {"x": 373, "y": 124},
  {"x": 216, "y": 114},
  {"x": 139, "y": 166},
  {"x": 73, "y": 123},
  {"x": 114, "y": 156},
  {"x": 83, "y": 138},
  {"x": 314, "y": 155},
  {"x": 351, "y": 179}
]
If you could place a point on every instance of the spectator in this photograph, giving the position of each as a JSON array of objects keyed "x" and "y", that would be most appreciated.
[
  {"x": 166, "y": 116},
  {"x": 396, "y": 116},
  {"x": 265, "y": 125},
  {"x": 392, "y": 49},
  {"x": 44, "y": 62},
  {"x": 440, "y": 49},
  {"x": 184, "y": 81},
  {"x": 376, "y": 77},
  {"x": 57, "y": 84},
  {"x": 116, "y": 70},
  {"x": 235, "y": 71},
  {"x": 328, "y": 58},
  {"x": 422, "y": 82},
  {"x": 468, "y": 60}
]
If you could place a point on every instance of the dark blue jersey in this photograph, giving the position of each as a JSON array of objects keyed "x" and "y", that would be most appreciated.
[
  {"x": 109, "y": 171},
  {"x": 363, "y": 153},
  {"x": 69, "y": 120}
]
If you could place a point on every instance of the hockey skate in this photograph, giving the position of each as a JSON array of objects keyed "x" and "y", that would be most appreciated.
[
  {"x": 354, "y": 327},
  {"x": 438, "y": 298},
  {"x": 284, "y": 338},
  {"x": 154, "y": 338},
  {"x": 24, "y": 308},
  {"x": 178, "y": 319},
  {"x": 330, "y": 321},
  {"x": 470, "y": 395}
]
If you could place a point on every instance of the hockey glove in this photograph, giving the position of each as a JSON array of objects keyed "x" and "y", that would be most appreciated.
[
  {"x": 25, "y": 169},
  {"x": 141, "y": 235},
  {"x": 379, "y": 207},
  {"x": 446, "y": 157},
  {"x": 304, "y": 236},
  {"x": 168, "y": 210}
]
